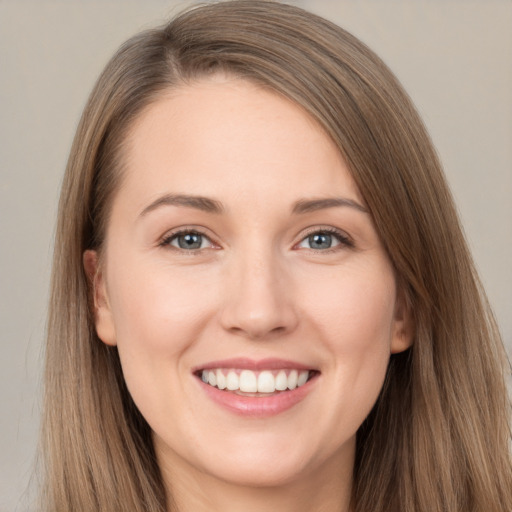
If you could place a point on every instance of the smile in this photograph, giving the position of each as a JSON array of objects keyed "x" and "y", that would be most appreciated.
[
  {"x": 256, "y": 389},
  {"x": 249, "y": 381}
]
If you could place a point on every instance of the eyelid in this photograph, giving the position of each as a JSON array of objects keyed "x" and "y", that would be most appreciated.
[
  {"x": 344, "y": 239},
  {"x": 165, "y": 240}
]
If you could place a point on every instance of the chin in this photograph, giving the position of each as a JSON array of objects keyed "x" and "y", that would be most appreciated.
[
  {"x": 254, "y": 460},
  {"x": 261, "y": 473}
]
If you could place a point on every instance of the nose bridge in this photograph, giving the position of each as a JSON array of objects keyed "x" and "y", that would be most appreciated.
[{"x": 258, "y": 301}]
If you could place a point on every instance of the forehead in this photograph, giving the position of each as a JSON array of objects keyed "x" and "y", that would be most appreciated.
[{"x": 227, "y": 136}]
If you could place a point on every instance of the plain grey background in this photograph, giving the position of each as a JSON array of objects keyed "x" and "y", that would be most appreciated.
[{"x": 453, "y": 56}]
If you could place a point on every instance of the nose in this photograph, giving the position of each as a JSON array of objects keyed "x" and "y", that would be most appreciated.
[{"x": 259, "y": 298}]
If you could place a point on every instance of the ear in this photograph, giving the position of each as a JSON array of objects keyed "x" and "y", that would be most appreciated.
[
  {"x": 103, "y": 318},
  {"x": 403, "y": 326}
]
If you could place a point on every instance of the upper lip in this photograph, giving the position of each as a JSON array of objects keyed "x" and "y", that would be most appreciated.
[{"x": 244, "y": 363}]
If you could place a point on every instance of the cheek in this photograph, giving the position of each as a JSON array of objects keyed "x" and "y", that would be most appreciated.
[
  {"x": 155, "y": 306},
  {"x": 354, "y": 322},
  {"x": 354, "y": 319},
  {"x": 355, "y": 308},
  {"x": 159, "y": 314}
]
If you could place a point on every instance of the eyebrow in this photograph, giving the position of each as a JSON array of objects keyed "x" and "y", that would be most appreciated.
[
  {"x": 198, "y": 202},
  {"x": 312, "y": 205},
  {"x": 209, "y": 205}
]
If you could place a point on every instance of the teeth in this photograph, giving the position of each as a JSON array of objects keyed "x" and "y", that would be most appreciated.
[
  {"x": 232, "y": 381},
  {"x": 212, "y": 379},
  {"x": 266, "y": 383},
  {"x": 221, "y": 380},
  {"x": 301, "y": 380},
  {"x": 281, "y": 381},
  {"x": 292, "y": 379},
  {"x": 248, "y": 381}
]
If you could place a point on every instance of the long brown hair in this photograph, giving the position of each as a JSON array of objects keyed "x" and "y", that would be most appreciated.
[{"x": 438, "y": 438}]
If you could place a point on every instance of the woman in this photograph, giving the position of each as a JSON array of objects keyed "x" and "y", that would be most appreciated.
[{"x": 261, "y": 298}]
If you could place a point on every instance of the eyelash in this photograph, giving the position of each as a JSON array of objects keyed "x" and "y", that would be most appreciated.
[
  {"x": 166, "y": 241},
  {"x": 344, "y": 240}
]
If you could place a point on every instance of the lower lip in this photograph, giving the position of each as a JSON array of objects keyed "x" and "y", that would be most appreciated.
[{"x": 258, "y": 406}]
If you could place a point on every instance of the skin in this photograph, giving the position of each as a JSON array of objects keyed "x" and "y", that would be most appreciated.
[{"x": 256, "y": 288}]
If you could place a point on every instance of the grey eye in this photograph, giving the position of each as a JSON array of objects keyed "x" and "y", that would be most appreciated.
[
  {"x": 319, "y": 241},
  {"x": 188, "y": 241}
]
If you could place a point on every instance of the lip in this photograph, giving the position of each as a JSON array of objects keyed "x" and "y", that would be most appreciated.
[
  {"x": 256, "y": 406},
  {"x": 244, "y": 363}
]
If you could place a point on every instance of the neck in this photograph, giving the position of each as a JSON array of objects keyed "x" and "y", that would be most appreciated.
[{"x": 326, "y": 488}]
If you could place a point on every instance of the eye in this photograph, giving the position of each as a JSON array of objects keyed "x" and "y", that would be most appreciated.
[
  {"x": 325, "y": 239},
  {"x": 187, "y": 240}
]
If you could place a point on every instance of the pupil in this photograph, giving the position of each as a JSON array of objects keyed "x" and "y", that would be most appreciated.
[
  {"x": 190, "y": 241},
  {"x": 320, "y": 241}
]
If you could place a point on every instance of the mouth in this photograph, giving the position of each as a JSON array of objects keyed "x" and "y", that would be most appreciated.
[
  {"x": 256, "y": 388},
  {"x": 255, "y": 383}
]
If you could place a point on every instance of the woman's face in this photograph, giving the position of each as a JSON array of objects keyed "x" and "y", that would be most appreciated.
[{"x": 239, "y": 251}]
